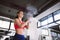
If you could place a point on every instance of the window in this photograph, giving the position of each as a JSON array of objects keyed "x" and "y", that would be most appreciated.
[
  {"x": 49, "y": 21},
  {"x": 45, "y": 26},
  {"x": 44, "y": 21},
  {"x": 50, "y": 18},
  {"x": 52, "y": 24},
  {"x": 4, "y": 24},
  {"x": 12, "y": 26},
  {"x": 57, "y": 15},
  {"x": 58, "y": 22}
]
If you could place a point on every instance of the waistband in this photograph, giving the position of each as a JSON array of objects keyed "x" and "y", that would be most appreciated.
[{"x": 19, "y": 34}]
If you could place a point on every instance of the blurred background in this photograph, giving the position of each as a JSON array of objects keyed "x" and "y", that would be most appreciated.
[{"x": 45, "y": 21}]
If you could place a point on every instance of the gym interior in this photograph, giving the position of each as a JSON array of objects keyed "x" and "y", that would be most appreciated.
[{"x": 45, "y": 21}]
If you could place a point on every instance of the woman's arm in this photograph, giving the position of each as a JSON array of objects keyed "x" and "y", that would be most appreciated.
[
  {"x": 27, "y": 26},
  {"x": 19, "y": 24}
]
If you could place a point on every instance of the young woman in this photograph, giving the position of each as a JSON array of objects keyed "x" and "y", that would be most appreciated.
[{"x": 19, "y": 26}]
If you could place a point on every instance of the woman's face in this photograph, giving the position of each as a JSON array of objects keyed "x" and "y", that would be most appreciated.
[{"x": 21, "y": 14}]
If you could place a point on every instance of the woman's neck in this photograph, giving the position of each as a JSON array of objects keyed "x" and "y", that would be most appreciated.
[{"x": 20, "y": 19}]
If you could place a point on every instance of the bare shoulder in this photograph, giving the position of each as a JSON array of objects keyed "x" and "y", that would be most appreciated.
[{"x": 15, "y": 19}]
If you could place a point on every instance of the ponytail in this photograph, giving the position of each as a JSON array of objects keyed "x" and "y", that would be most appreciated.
[
  {"x": 16, "y": 16},
  {"x": 18, "y": 13}
]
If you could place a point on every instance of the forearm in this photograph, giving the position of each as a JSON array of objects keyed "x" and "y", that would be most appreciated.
[
  {"x": 22, "y": 25},
  {"x": 27, "y": 26}
]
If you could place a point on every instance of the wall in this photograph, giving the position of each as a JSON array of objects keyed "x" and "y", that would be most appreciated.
[
  {"x": 32, "y": 29},
  {"x": 47, "y": 12},
  {"x": 33, "y": 32}
]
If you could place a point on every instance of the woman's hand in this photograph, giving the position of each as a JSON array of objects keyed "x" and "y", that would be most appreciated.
[{"x": 27, "y": 22}]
